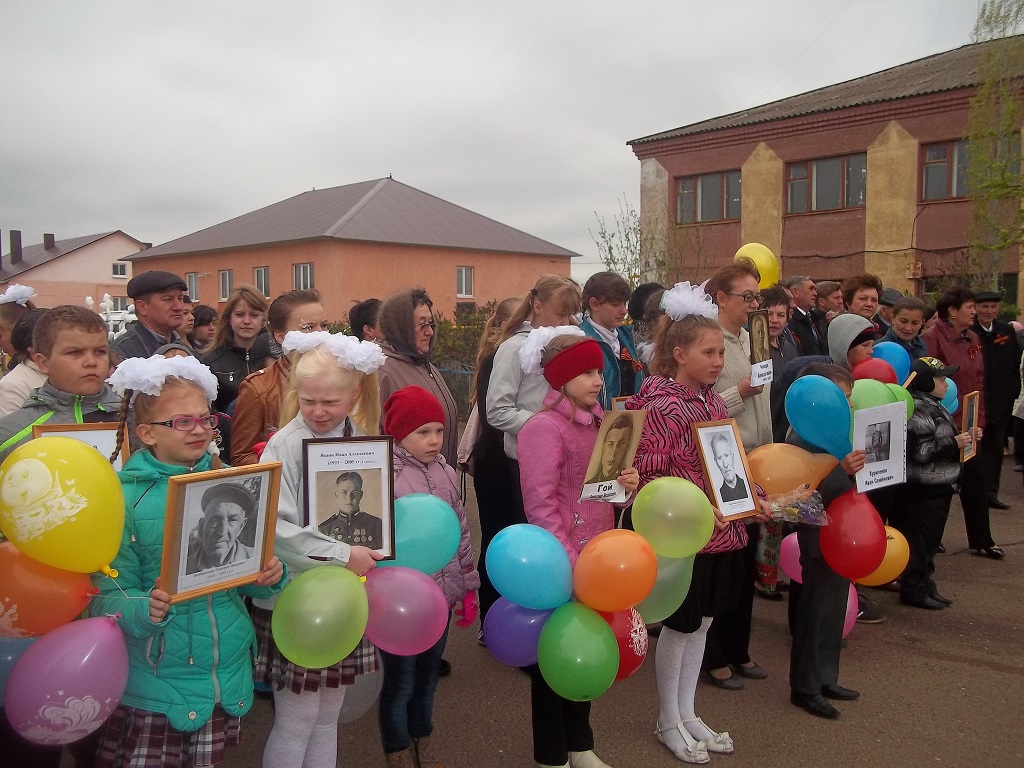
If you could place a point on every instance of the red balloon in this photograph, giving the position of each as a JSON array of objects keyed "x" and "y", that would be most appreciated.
[
  {"x": 35, "y": 597},
  {"x": 877, "y": 369},
  {"x": 631, "y": 635},
  {"x": 853, "y": 543}
]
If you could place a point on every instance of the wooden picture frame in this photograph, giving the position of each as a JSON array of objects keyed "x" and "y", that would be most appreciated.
[
  {"x": 619, "y": 403},
  {"x": 100, "y": 435},
  {"x": 722, "y": 456},
  {"x": 348, "y": 490},
  {"x": 202, "y": 504},
  {"x": 969, "y": 420}
]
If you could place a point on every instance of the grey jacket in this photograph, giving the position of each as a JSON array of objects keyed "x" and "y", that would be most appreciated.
[
  {"x": 933, "y": 457},
  {"x": 512, "y": 395},
  {"x": 48, "y": 405}
]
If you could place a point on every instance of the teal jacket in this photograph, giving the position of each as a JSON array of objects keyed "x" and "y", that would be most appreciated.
[
  {"x": 201, "y": 653},
  {"x": 612, "y": 365}
]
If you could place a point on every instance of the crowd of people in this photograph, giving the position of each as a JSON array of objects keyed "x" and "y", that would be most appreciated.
[{"x": 197, "y": 390}]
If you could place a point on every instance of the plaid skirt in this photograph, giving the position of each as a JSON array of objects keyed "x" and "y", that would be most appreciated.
[
  {"x": 274, "y": 670},
  {"x": 135, "y": 738}
]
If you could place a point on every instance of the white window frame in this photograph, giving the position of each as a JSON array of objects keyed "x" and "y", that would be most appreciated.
[
  {"x": 119, "y": 303},
  {"x": 261, "y": 279},
  {"x": 119, "y": 269},
  {"x": 192, "y": 281},
  {"x": 464, "y": 282},
  {"x": 303, "y": 276},
  {"x": 225, "y": 280}
]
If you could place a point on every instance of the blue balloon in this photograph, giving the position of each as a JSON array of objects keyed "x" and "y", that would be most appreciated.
[
  {"x": 513, "y": 632},
  {"x": 529, "y": 566},
  {"x": 949, "y": 401},
  {"x": 896, "y": 356},
  {"x": 820, "y": 413},
  {"x": 11, "y": 649},
  {"x": 427, "y": 533}
]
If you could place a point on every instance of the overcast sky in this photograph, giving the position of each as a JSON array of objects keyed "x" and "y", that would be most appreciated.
[{"x": 164, "y": 118}]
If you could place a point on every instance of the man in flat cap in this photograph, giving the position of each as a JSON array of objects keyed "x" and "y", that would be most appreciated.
[
  {"x": 1001, "y": 353},
  {"x": 159, "y": 307},
  {"x": 214, "y": 541},
  {"x": 883, "y": 317}
]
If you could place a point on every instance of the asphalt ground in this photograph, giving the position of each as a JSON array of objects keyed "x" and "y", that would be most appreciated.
[{"x": 942, "y": 688}]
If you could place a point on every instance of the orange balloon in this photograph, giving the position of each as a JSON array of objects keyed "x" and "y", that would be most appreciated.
[
  {"x": 781, "y": 468},
  {"x": 897, "y": 555},
  {"x": 615, "y": 571},
  {"x": 35, "y": 598}
]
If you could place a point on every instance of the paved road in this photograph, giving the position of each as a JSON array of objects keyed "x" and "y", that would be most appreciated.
[{"x": 938, "y": 688}]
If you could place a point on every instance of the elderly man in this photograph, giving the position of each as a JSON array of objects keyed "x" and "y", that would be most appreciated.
[
  {"x": 883, "y": 317},
  {"x": 1001, "y": 353},
  {"x": 215, "y": 540},
  {"x": 809, "y": 335},
  {"x": 161, "y": 312},
  {"x": 350, "y": 524},
  {"x": 733, "y": 488}
]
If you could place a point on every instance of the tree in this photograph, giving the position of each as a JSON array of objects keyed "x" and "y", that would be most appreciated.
[{"x": 993, "y": 146}]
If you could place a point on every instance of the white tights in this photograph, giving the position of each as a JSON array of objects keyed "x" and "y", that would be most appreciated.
[
  {"x": 677, "y": 665},
  {"x": 305, "y": 732}
]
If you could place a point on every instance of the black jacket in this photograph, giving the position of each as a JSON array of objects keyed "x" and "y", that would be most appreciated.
[
  {"x": 230, "y": 365},
  {"x": 1001, "y": 352},
  {"x": 804, "y": 327},
  {"x": 933, "y": 457}
]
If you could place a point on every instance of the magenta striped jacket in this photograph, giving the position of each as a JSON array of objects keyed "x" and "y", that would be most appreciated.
[{"x": 667, "y": 446}]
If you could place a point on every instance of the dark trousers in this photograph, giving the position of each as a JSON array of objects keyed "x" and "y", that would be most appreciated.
[
  {"x": 817, "y": 623},
  {"x": 974, "y": 500},
  {"x": 560, "y": 726},
  {"x": 884, "y": 500},
  {"x": 920, "y": 517},
  {"x": 729, "y": 636},
  {"x": 496, "y": 493},
  {"x": 992, "y": 457}
]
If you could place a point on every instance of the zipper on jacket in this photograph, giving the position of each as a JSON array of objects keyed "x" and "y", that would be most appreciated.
[
  {"x": 79, "y": 419},
  {"x": 216, "y": 648}
]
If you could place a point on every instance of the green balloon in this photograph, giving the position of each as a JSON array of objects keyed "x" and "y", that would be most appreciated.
[
  {"x": 674, "y": 515},
  {"x": 320, "y": 616},
  {"x": 577, "y": 653},
  {"x": 902, "y": 394},
  {"x": 868, "y": 393},
  {"x": 670, "y": 588}
]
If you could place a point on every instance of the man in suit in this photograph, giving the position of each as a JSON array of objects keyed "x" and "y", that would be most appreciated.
[
  {"x": 809, "y": 335},
  {"x": 733, "y": 488}
]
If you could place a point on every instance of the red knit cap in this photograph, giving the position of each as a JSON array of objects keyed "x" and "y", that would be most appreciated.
[
  {"x": 408, "y": 409},
  {"x": 571, "y": 362}
]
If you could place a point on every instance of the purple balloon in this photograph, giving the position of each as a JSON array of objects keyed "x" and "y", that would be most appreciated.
[
  {"x": 789, "y": 559},
  {"x": 68, "y": 682},
  {"x": 408, "y": 611},
  {"x": 512, "y": 632}
]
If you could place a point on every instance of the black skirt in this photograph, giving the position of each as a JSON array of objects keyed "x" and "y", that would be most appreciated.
[{"x": 714, "y": 590}]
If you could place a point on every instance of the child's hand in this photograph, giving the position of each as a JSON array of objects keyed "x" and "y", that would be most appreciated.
[
  {"x": 963, "y": 439},
  {"x": 719, "y": 520},
  {"x": 629, "y": 478},
  {"x": 853, "y": 462},
  {"x": 467, "y": 611},
  {"x": 362, "y": 559},
  {"x": 159, "y": 603},
  {"x": 765, "y": 515},
  {"x": 271, "y": 573},
  {"x": 745, "y": 391}
]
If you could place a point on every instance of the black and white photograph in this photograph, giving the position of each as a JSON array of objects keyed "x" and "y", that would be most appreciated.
[
  {"x": 219, "y": 530},
  {"x": 881, "y": 432},
  {"x": 725, "y": 468},
  {"x": 348, "y": 491},
  {"x": 761, "y": 368},
  {"x": 102, "y": 436},
  {"x": 616, "y": 445},
  {"x": 970, "y": 421}
]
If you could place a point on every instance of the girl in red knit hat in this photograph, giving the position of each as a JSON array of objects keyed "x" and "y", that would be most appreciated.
[{"x": 555, "y": 446}]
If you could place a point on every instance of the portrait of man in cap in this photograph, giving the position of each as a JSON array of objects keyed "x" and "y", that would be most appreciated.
[{"x": 217, "y": 538}]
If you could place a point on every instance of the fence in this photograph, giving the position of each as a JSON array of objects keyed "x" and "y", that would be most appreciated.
[{"x": 459, "y": 378}]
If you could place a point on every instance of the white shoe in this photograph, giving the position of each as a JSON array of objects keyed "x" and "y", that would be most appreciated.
[
  {"x": 719, "y": 742},
  {"x": 563, "y": 765},
  {"x": 690, "y": 751},
  {"x": 586, "y": 760}
]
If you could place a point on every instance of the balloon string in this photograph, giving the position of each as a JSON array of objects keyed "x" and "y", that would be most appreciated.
[{"x": 124, "y": 594}]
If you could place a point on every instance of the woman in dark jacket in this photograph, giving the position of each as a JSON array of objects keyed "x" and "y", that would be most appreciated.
[{"x": 230, "y": 358}]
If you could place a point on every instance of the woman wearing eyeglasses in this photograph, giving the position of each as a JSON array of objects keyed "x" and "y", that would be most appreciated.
[{"x": 407, "y": 321}]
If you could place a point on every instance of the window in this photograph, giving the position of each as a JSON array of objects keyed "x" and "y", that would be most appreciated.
[
  {"x": 119, "y": 269},
  {"x": 827, "y": 185},
  {"x": 225, "y": 284},
  {"x": 261, "y": 279},
  {"x": 118, "y": 303},
  {"x": 463, "y": 281},
  {"x": 304, "y": 276},
  {"x": 711, "y": 197},
  {"x": 192, "y": 281},
  {"x": 944, "y": 171}
]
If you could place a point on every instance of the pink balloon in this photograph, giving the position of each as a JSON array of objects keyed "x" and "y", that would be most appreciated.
[
  {"x": 852, "y": 609},
  {"x": 68, "y": 682},
  {"x": 789, "y": 559},
  {"x": 408, "y": 611}
]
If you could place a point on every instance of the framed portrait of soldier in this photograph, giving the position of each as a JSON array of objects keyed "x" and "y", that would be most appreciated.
[
  {"x": 969, "y": 420},
  {"x": 348, "y": 493},
  {"x": 615, "y": 449},
  {"x": 100, "y": 435},
  {"x": 761, "y": 372},
  {"x": 219, "y": 529},
  {"x": 726, "y": 473}
]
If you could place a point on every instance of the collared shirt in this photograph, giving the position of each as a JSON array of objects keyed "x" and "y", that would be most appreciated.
[{"x": 608, "y": 336}]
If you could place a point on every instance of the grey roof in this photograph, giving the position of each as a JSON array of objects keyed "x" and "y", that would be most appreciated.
[
  {"x": 933, "y": 74},
  {"x": 34, "y": 255},
  {"x": 381, "y": 210}
]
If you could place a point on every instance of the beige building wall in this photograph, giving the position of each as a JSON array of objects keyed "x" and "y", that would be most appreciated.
[
  {"x": 656, "y": 214},
  {"x": 891, "y": 206},
  {"x": 762, "y": 199}
]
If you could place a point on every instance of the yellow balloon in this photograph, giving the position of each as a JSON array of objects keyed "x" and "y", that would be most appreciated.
[
  {"x": 760, "y": 256},
  {"x": 897, "y": 555},
  {"x": 61, "y": 504},
  {"x": 781, "y": 468}
]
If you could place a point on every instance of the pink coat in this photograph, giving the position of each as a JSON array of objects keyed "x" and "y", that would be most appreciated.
[
  {"x": 554, "y": 450},
  {"x": 438, "y": 479}
]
